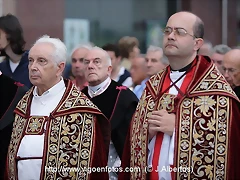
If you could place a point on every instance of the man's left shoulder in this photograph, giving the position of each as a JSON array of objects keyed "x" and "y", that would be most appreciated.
[{"x": 125, "y": 92}]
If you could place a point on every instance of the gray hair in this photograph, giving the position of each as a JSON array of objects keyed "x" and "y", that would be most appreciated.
[
  {"x": 109, "y": 61},
  {"x": 85, "y": 46},
  {"x": 221, "y": 49},
  {"x": 60, "y": 54},
  {"x": 151, "y": 48}
]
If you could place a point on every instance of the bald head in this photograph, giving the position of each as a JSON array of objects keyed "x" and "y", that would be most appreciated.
[
  {"x": 231, "y": 66},
  {"x": 193, "y": 20}
]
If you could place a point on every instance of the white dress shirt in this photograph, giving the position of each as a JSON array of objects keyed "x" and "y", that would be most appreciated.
[
  {"x": 167, "y": 148},
  {"x": 32, "y": 145},
  {"x": 127, "y": 82}
]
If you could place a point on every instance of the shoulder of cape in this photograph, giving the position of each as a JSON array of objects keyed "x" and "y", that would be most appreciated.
[
  {"x": 155, "y": 81},
  {"x": 73, "y": 101},
  {"x": 212, "y": 82}
]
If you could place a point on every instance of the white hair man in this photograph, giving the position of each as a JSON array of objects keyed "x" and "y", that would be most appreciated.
[
  {"x": 77, "y": 57},
  {"x": 218, "y": 53},
  {"x": 56, "y": 127},
  {"x": 116, "y": 102}
]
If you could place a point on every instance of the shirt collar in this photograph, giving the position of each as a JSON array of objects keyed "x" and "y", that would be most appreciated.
[
  {"x": 97, "y": 90},
  {"x": 184, "y": 68},
  {"x": 52, "y": 91}
]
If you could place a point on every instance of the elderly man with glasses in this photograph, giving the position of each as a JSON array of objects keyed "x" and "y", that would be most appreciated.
[
  {"x": 186, "y": 125},
  {"x": 231, "y": 68}
]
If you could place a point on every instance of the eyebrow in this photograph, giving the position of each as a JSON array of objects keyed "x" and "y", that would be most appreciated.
[
  {"x": 176, "y": 27},
  {"x": 93, "y": 59}
]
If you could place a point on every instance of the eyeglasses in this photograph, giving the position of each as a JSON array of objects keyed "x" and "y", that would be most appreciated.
[{"x": 177, "y": 30}]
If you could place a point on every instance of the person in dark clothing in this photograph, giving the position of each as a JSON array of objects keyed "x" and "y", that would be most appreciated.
[
  {"x": 231, "y": 68},
  {"x": 119, "y": 73},
  {"x": 12, "y": 45},
  {"x": 10, "y": 93},
  {"x": 117, "y": 102}
]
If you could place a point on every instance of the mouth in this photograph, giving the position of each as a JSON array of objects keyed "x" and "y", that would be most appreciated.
[
  {"x": 91, "y": 74},
  {"x": 170, "y": 45},
  {"x": 34, "y": 76}
]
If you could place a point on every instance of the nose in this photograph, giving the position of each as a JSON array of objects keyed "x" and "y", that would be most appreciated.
[
  {"x": 90, "y": 65},
  {"x": 33, "y": 66},
  {"x": 149, "y": 63},
  {"x": 77, "y": 64},
  {"x": 171, "y": 36},
  {"x": 226, "y": 74}
]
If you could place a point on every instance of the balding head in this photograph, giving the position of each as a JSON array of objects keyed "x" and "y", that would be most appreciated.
[
  {"x": 182, "y": 38},
  {"x": 193, "y": 20},
  {"x": 231, "y": 67}
]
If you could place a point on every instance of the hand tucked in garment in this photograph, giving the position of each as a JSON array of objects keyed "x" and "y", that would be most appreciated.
[{"x": 161, "y": 121}]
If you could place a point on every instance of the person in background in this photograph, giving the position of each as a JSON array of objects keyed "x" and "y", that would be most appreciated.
[
  {"x": 218, "y": 54},
  {"x": 231, "y": 69},
  {"x": 129, "y": 49},
  {"x": 10, "y": 93},
  {"x": 119, "y": 73},
  {"x": 206, "y": 49},
  {"x": 77, "y": 57},
  {"x": 12, "y": 45},
  {"x": 116, "y": 102},
  {"x": 155, "y": 62},
  {"x": 138, "y": 70}
]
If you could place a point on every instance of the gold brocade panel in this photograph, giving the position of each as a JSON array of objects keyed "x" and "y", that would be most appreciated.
[{"x": 202, "y": 141}]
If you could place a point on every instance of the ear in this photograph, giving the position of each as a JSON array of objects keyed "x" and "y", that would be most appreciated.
[
  {"x": 198, "y": 43},
  {"x": 109, "y": 70},
  {"x": 61, "y": 67}
]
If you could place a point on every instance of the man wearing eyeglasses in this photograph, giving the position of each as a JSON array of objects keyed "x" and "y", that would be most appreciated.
[
  {"x": 231, "y": 68},
  {"x": 117, "y": 103},
  {"x": 186, "y": 125}
]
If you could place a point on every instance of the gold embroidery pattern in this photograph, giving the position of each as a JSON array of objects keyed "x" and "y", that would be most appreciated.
[
  {"x": 212, "y": 82},
  {"x": 18, "y": 127},
  {"x": 63, "y": 139},
  {"x": 76, "y": 99},
  {"x": 70, "y": 146},
  {"x": 203, "y": 141},
  {"x": 22, "y": 104},
  {"x": 154, "y": 82},
  {"x": 166, "y": 102},
  {"x": 35, "y": 125},
  {"x": 139, "y": 129},
  {"x": 139, "y": 136}
]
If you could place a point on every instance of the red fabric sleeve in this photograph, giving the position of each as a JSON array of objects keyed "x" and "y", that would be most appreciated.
[{"x": 234, "y": 142}]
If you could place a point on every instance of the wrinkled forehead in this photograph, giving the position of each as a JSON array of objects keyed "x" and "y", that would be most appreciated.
[
  {"x": 42, "y": 49},
  {"x": 232, "y": 57},
  {"x": 94, "y": 53},
  {"x": 182, "y": 20}
]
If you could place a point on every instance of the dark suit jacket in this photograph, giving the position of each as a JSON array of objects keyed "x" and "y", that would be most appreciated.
[
  {"x": 118, "y": 104},
  {"x": 10, "y": 93}
]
